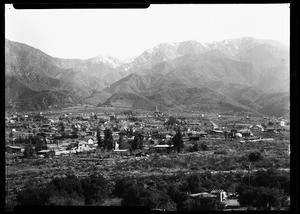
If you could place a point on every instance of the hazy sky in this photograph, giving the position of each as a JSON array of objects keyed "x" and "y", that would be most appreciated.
[{"x": 126, "y": 33}]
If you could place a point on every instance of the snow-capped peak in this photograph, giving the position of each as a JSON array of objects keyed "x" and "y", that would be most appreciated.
[{"x": 108, "y": 60}]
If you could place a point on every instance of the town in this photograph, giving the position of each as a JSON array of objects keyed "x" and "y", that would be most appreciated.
[{"x": 122, "y": 142}]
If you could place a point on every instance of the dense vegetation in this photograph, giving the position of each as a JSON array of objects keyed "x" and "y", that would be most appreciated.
[{"x": 166, "y": 192}]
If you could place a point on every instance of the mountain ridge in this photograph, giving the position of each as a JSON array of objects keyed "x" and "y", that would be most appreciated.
[{"x": 249, "y": 72}]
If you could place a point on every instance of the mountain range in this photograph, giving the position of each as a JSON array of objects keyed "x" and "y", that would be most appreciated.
[{"x": 237, "y": 75}]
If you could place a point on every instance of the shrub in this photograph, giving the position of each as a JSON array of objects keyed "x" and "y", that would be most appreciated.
[
  {"x": 31, "y": 195},
  {"x": 220, "y": 152},
  {"x": 255, "y": 156},
  {"x": 195, "y": 183},
  {"x": 262, "y": 198},
  {"x": 177, "y": 141},
  {"x": 206, "y": 204},
  {"x": 204, "y": 147},
  {"x": 94, "y": 188},
  {"x": 122, "y": 185},
  {"x": 28, "y": 151}
]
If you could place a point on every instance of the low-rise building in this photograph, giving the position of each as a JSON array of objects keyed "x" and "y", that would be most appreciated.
[{"x": 221, "y": 194}]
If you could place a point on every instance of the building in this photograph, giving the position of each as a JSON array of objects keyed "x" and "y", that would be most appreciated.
[
  {"x": 257, "y": 128},
  {"x": 221, "y": 194},
  {"x": 46, "y": 153},
  {"x": 246, "y": 132},
  {"x": 162, "y": 148},
  {"x": 157, "y": 113},
  {"x": 203, "y": 195}
]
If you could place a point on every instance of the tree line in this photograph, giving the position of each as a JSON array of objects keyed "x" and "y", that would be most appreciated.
[{"x": 267, "y": 189}]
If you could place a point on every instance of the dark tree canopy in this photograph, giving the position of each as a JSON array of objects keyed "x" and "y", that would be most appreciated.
[
  {"x": 136, "y": 143},
  {"x": 99, "y": 140},
  {"x": 28, "y": 151},
  {"x": 262, "y": 198},
  {"x": 255, "y": 156},
  {"x": 108, "y": 142},
  {"x": 177, "y": 141},
  {"x": 61, "y": 126},
  {"x": 39, "y": 144}
]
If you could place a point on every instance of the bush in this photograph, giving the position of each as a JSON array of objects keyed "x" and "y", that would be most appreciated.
[
  {"x": 195, "y": 183},
  {"x": 28, "y": 151},
  {"x": 272, "y": 178},
  {"x": 124, "y": 145},
  {"x": 66, "y": 191},
  {"x": 255, "y": 156},
  {"x": 122, "y": 185},
  {"x": 204, "y": 147},
  {"x": 206, "y": 204},
  {"x": 94, "y": 188},
  {"x": 262, "y": 198},
  {"x": 220, "y": 152}
]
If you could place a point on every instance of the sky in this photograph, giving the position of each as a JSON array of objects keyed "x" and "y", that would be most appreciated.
[{"x": 127, "y": 33}]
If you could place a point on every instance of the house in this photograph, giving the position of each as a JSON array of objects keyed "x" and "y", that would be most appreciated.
[
  {"x": 162, "y": 148},
  {"x": 246, "y": 132},
  {"x": 211, "y": 125},
  {"x": 270, "y": 129},
  {"x": 203, "y": 195},
  {"x": 64, "y": 152},
  {"x": 46, "y": 153},
  {"x": 221, "y": 194},
  {"x": 216, "y": 131},
  {"x": 257, "y": 128},
  {"x": 83, "y": 146},
  {"x": 121, "y": 151},
  {"x": 90, "y": 141}
]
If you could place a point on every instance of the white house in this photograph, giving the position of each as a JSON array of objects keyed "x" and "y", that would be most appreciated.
[{"x": 221, "y": 194}]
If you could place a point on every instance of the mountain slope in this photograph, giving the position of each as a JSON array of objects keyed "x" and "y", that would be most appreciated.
[
  {"x": 244, "y": 74},
  {"x": 37, "y": 75},
  {"x": 130, "y": 100},
  {"x": 200, "y": 99}
]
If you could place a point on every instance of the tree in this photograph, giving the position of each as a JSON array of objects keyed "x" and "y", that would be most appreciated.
[
  {"x": 108, "y": 142},
  {"x": 136, "y": 142},
  {"x": 255, "y": 156},
  {"x": 65, "y": 191},
  {"x": 28, "y": 151},
  {"x": 178, "y": 196},
  {"x": 94, "y": 189},
  {"x": 122, "y": 184},
  {"x": 132, "y": 196},
  {"x": 177, "y": 141},
  {"x": 195, "y": 183},
  {"x": 31, "y": 195},
  {"x": 122, "y": 143},
  {"x": 11, "y": 135},
  {"x": 272, "y": 178},
  {"x": 171, "y": 121},
  {"x": 61, "y": 126},
  {"x": 99, "y": 140},
  {"x": 203, "y": 147},
  {"x": 137, "y": 195},
  {"x": 130, "y": 132},
  {"x": 261, "y": 198},
  {"x": 206, "y": 204},
  {"x": 39, "y": 144}
]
